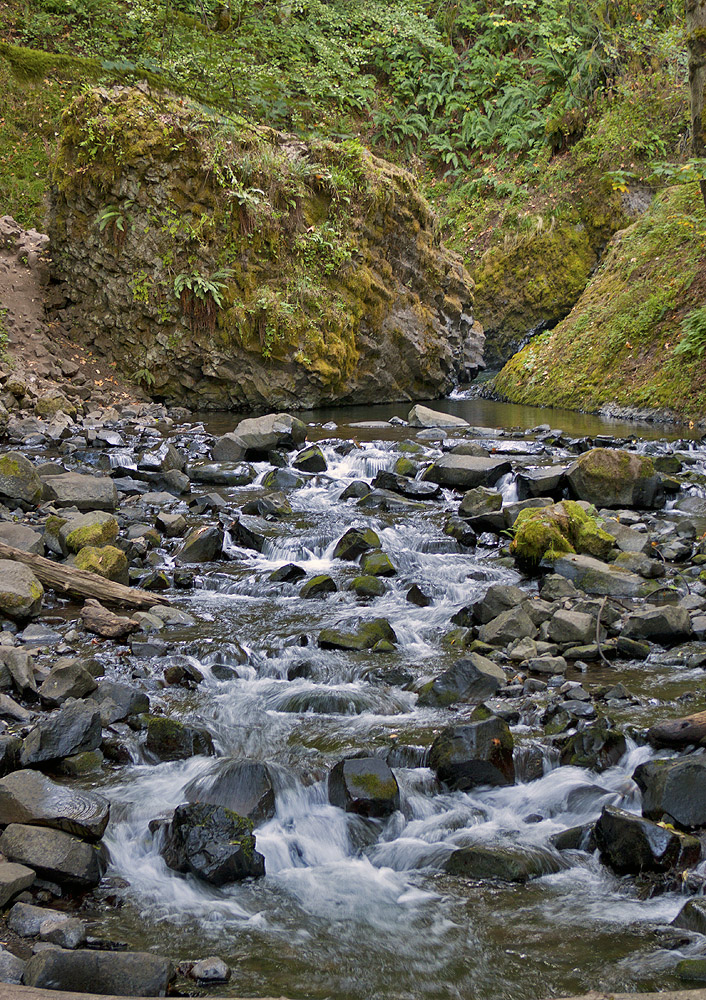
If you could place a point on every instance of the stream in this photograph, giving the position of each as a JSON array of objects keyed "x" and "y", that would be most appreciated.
[{"x": 350, "y": 908}]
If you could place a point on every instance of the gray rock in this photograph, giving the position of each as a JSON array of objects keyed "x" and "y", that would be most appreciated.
[
  {"x": 210, "y": 970},
  {"x": 163, "y": 459},
  {"x": 13, "y": 880},
  {"x": 221, "y": 473},
  {"x": 20, "y": 666},
  {"x": 19, "y": 479},
  {"x": 692, "y": 916},
  {"x": 364, "y": 785},
  {"x": 471, "y": 679},
  {"x": 479, "y": 753},
  {"x": 11, "y": 967},
  {"x": 273, "y": 430},
  {"x": 546, "y": 665},
  {"x": 310, "y": 459},
  {"x": 480, "y": 501},
  {"x": 213, "y": 843},
  {"x": 118, "y": 701},
  {"x": 547, "y": 481},
  {"x": 171, "y": 525},
  {"x": 56, "y": 856},
  {"x": 30, "y": 797},
  {"x": 25, "y": 919},
  {"x": 512, "y": 624},
  {"x": 355, "y": 542},
  {"x": 572, "y": 627},
  {"x": 245, "y": 787},
  {"x": 669, "y": 622},
  {"x": 87, "y": 493},
  {"x": 67, "y": 932},
  {"x": 609, "y": 477},
  {"x": 229, "y": 448},
  {"x": 69, "y": 680},
  {"x": 675, "y": 789},
  {"x": 169, "y": 739},
  {"x": 424, "y": 416},
  {"x": 464, "y": 472},
  {"x": 318, "y": 586},
  {"x": 596, "y": 577},
  {"x": 498, "y": 598},
  {"x": 20, "y": 536},
  {"x": 627, "y": 539},
  {"x": 21, "y": 592},
  {"x": 505, "y": 863},
  {"x": 201, "y": 545},
  {"x": 131, "y": 974},
  {"x": 69, "y": 730},
  {"x": 630, "y": 844}
]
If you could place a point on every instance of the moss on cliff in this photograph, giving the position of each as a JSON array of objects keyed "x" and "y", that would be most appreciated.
[{"x": 619, "y": 343}]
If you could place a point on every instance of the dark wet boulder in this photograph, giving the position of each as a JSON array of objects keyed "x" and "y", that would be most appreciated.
[
  {"x": 674, "y": 789},
  {"x": 368, "y": 586},
  {"x": 28, "y": 796},
  {"x": 692, "y": 916},
  {"x": 213, "y": 843},
  {"x": 249, "y": 532},
  {"x": 202, "y": 544},
  {"x": 289, "y": 573},
  {"x": 221, "y": 473},
  {"x": 690, "y": 730},
  {"x": 417, "y": 597},
  {"x": 169, "y": 739},
  {"x": 377, "y": 563},
  {"x": 460, "y": 530},
  {"x": 505, "y": 863},
  {"x": 666, "y": 623},
  {"x": 596, "y": 577},
  {"x": 244, "y": 787},
  {"x": 355, "y": 542},
  {"x": 271, "y": 505},
  {"x": 547, "y": 481},
  {"x": 368, "y": 636},
  {"x": 364, "y": 785},
  {"x": 117, "y": 701},
  {"x": 576, "y": 838},
  {"x": 68, "y": 680},
  {"x": 597, "y": 747},
  {"x": 465, "y": 472},
  {"x": 69, "y": 730},
  {"x": 54, "y": 855},
  {"x": 21, "y": 593},
  {"x": 228, "y": 448},
  {"x": 318, "y": 586},
  {"x": 480, "y": 502},
  {"x": 123, "y": 973},
  {"x": 413, "y": 489},
  {"x": 610, "y": 477},
  {"x": 478, "y": 753},
  {"x": 630, "y": 844},
  {"x": 472, "y": 678},
  {"x": 310, "y": 459},
  {"x": 283, "y": 479}
]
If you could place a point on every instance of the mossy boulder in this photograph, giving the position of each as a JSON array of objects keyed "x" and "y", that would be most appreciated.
[
  {"x": 21, "y": 592},
  {"x": 355, "y": 542},
  {"x": 364, "y": 785},
  {"x": 377, "y": 563},
  {"x": 368, "y": 586},
  {"x": 51, "y": 403},
  {"x": 170, "y": 739},
  {"x": 610, "y": 477},
  {"x": 18, "y": 478},
  {"x": 369, "y": 636},
  {"x": 213, "y": 843},
  {"x": 96, "y": 529},
  {"x": 105, "y": 560},
  {"x": 546, "y": 532}
]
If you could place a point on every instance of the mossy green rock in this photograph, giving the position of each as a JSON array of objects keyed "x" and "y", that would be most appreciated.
[
  {"x": 355, "y": 542},
  {"x": 545, "y": 532},
  {"x": 97, "y": 529},
  {"x": 367, "y": 636},
  {"x": 506, "y": 863},
  {"x": 318, "y": 586},
  {"x": 169, "y": 739},
  {"x": 21, "y": 592},
  {"x": 364, "y": 785},
  {"x": 106, "y": 561},
  {"x": 377, "y": 564},
  {"x": 610, "y": 477},
  {"x": 18, "y": 478},
  {"x": 368, "y": 586}
]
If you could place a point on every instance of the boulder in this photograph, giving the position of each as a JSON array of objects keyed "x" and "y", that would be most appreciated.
[
  {"x": 96, "y": 528},
  {"x": 213, "y": 843},
  {"x": 498, "y": 861},
  {"x": 692, "y": 916},
  {"x": 249, "y": 532},
  {"x": 368, "y": 586},
  {"x": 13, "y": 880},
  {"x": 273, "y": 430},
  {"x": 377, "y": 563},
  {"x": 123, "y": 973},
  {"x": 229, "y": 448},
  {"x": 164, "y": 458},
  {"x": 21, "y": 593},
  {"x": 107, "y": 561},
  {"x": 471, "y": 679},
  {"x": 87, "y": 493},
  {"x": 355, "y": 542},
  {"x": 69, "y": 730},
  {"x": 318, "y": 586},
  {"x": 28, "y": 796},
  {"x": 512, "y": 624},
  {"x": 610, "y": 477},
  {"x": 478, "y": 753},
  {"x": 573, "y": 627},
  {"x": 244, "y": 787},
  {"x": 210, "y": 970},
  {"x": 479, "y": 502},
  {"x": 54, "y": 855},
  {"x": 630, "y": 844},
  {"x": 310, "y": 459},
  {"x": 546, "y": 532},
  {"x": 69, "y": 680},
  {"x": 221, "y": 473},
  {"x": 596, "y": 577},
  {"x": 117, "y": 701},
  {"x": 424, "y": 416},
  {"x": 368, "y": 636},
  {"x": 464, "y": 472},
  {"x": 19, "y": 479},
  {"x": 202, "y": 544},
  {"x": 675, "y": 789},
  {"x": 20, "y": 536},
  {"x": 169, "y": 739},
  {"x": 11, "y": 967},
  {"x": 364, "y": 785},
  {"x": 597, "y": 747},
  {"x": 547, "y": 481},
  {"x": 289, "y": 573},
  {"x": 20, "y": 667},
  {"x": 666, "y": 623},
  {"x": 498, "y": 598},
  {"x": 413, "y": 489},
  {"x": 25, "y": 919},
  {"x": 64, "y": 931}
]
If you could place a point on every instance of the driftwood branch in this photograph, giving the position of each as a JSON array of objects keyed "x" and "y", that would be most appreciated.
[{"x": 80, "y": 583}]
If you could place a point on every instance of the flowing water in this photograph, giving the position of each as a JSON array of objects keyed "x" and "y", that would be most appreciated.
[{"x": 353, "y": 908}]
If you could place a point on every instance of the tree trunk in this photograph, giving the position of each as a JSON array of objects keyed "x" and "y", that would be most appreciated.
[
  {"x": 79, "y": 583},
  {"x": 696, "y": 42}
]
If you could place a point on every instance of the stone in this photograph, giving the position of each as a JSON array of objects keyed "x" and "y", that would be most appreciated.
[
  {"x": 480, "y": 501},
  {"x": 597, "y": 747},
  {"x": 25, "y": 919},
  {"x": 472, "y": 678},
  {"x": 610, "y": 477},
  {"x": 368, "y": 636},
  {"x": 479, "y": 753},
  {"x": 21, "y": 593},
  {"x": 202, "y": 544},
  {"x": 117, "y": 701},
  {"x": 213, "y": 843},
  {"x": 547, "y": 481},
  {"x": 512, "y": 624},
  {"x": 498, "y": 598},
  {"x": 596, "y": 577},
  {"x": 465, "y": 472},
  {"x": 19, "y": 479},
  {"x": 245, "y": 787},
  {"x": 557, "y": 588},
  {"x": 106, "y": 561},
  {"x": 70, "y": 680},
  {"x": 228, "y": 448},
  {"x": 29, "y": 796},
  {"x": 544, "y": 533},
  {"x": 675, "y": 789},
  {"x": 20, "y": 536},
  {"x": 87, "y": 493},
  {"x": 289, "y": 573},
  {"x": 171, "y": 525},
  {"x": 630, "y": 844},
  {"x": 692, "y": 970},
  {"x": 417, "y": 597},
  {"x": 627, "y": 539},
  {"x": 56, "y": 856},
  {"x": 412, "y": 489},
  {"x": 20, "y": 667},
  {"x": 69, "y": 730},
  {"x": 364, "y": 785},
  {"x": 354, "y": 543},
  {"x": 210, "y": 970},
  {"x": 572, "y": 627},
  {"x": 692, "y": 916},
  {"x": 221, "y": 473},
  {"x": 169, "y": 739},
  {"x": 310, "y": 459},
  {"x": 273, "y": 430},
  {"x": 318, "y": 586},
  {"x": 13, "y": 880},
  {"x": 424, "y": 416},
  {"x": 666, "y": 623},
  {"x": 552, "y": 665},
  {"x": 96, "y": 528},
  {"x": 495, "y": 861},
  {"x": 690, "y": 730},
  {"x": 368, "y": 586},
  {"x": 377, "y": 563},
  {"x": 123, "y": 973},
  {"x": 66, "y": 932}
]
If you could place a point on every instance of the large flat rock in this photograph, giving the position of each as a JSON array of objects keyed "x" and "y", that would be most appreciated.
[
  {"x": 465, "y": 472},
  {"x": 84, "y": 492},
  {"x": 28, "y": 796}
]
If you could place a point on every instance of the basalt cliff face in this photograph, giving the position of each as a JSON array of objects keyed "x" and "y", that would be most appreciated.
[{"x": 225, "y": 265}]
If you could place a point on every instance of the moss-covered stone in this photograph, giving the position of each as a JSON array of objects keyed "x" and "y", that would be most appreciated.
[
  {"x": 368, "y": 586},
  {"x": 377, "y": 563},
  {"x": 546, "y": 532},
  {"x": 107, "y": 561},
  {"x": 97, "y": 534},
  {"x": 18, "y": 478}
]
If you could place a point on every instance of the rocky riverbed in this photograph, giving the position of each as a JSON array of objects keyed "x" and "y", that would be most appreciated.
[{"x": 417, "y": 705}]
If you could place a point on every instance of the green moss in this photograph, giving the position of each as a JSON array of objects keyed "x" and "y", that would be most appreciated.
[
  {"x": 102, "y": 533},
  {"x": 547, "y": 532},
  {"x": 372, "y": 786},
  {"x": 106, "y": 561}
]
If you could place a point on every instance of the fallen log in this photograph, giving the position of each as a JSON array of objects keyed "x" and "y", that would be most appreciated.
[
  {"x": 80, "y": 583},
  {"x": 676, "y": 733}
]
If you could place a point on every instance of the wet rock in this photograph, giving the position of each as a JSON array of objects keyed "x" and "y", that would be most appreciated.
[
  {"x": 551, "y": 665},
  {"x": 377, "y": 563},
  {"x": 424, "y": 416},
  {"x": 547, "y": 481},
  {"x": 576, "y": 838},
  {"x": 28, "y": 796},
  {"x": 465, "y": 472},
  {"x": 96, "y": 528},
  {"x": 283, "y": 479},
  {"x": 364, "y": 785},
  {"x": 318, "y": 586},
  {"x": 667, "y": 623},
  {"x": 461, "y": 531},
  {"x": 367, "y": 637},
  {"x": 692, "y": 969},
  {"x": 14, "y": 879},
  {"x": 21, "y": 593},
  {"x": 105, "y": 623},
  {"x": 229, "y": 448},
  {"x": 480, "y": 501},
  {"x": 557, "y": 588},
  {"x": 596, "y": 577},
  {"x": 678, "y": 733},
  {"x": 273, "y": 430},
  {"x": 368, "y": 586},
  {"x": 471, "y": 679},
  {"x": 162, "y": 459},
  {"x": 19, "y": 479},
  {"x": 213, "y": 843},
  {"x": 169, "y": 739},
  {"x": 498, "y": 598},
  {"x": 356, "y": 491},
  {"x": 87, "y": 493},
  {"x": 597, "y": 747},
  {"x": 201, "y": 545},
  {"x": 289, "y": 573},
  {"x": 675, "y": 789},
  {"x": 479, "y": 753},
  {"x": 25, "y": 919},
  {"x": 117, "y": 701},
  {"x": 572, "y": 627},
  {"x": 418, "y": 597},
  {"x": 310, "y": 459},
  {"x": 692, "y": 916},
  {"x": 20, "y": 667},
  {"x": 11, "y": 967},
  {"x": 20, "y": 536},
  {"x": 64, "y": 931},
  {"x": 355, "y": 542},
  {"x": 69, "y": 730},
  {"x": 107, "y": 561},
  {"x": 609, "y": 477},
  {"x": 221, "y": 473},
  {"x": 10, "y": 747},
  {"x": 512, "y": 624},
  {"x": 132, "y": 974},
  {"x": 249, "y": 532},
  {"x": 630, "y": 844},
  {"x": 627, "y": 539},
  {"x": 413, "y": 489},
  {"x": 508, "y": 864},
  {"x": 272, "y": 505},
  {"x": 633, "y": 649},
  {"x": 171, "y": 525},
  {"x": 245, "y": 787},
  {"x": 542, "y": 533},
  {"x": 56, "y": 856}
]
